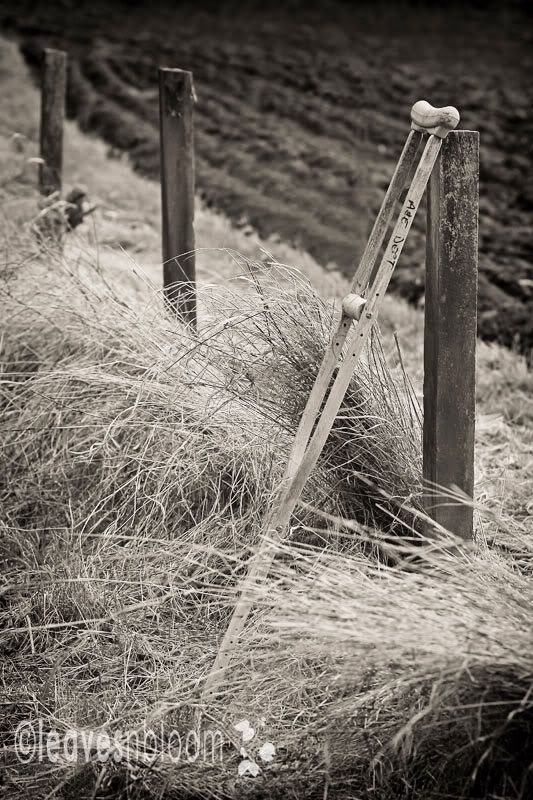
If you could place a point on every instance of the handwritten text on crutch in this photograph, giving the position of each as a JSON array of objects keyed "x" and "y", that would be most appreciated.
[
  {"x": 397, "y": 241},
  {"x": 408, "y": 212}
]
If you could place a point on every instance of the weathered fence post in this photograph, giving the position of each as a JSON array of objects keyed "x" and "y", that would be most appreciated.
[
  {"x": 450, "y": 330},
  {"x": 54, "y": 82},
  {"x": 176, "y": 99}
]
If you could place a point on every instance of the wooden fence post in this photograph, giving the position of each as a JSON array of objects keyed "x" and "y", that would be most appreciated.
[
  {"x": 53, "y": 89},
  {"x": 450, "y": 330},
  {"x": 176, "y": 98}
]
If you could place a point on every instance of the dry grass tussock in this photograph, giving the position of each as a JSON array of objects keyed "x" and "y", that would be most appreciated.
[{"x": 137, "y": 463}]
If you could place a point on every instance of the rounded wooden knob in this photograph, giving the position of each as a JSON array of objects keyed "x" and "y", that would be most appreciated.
[
  {"x": 353, "y": 305},
  {"x": 438, "y": 121}
]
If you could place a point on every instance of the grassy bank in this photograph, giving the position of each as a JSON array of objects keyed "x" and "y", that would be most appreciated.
[{"x": 137, "y": 463}]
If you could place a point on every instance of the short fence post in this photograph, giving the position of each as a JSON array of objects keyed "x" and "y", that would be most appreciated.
[
  {"x": 53, "y": 89},
  {"x": 176, "y": 99},
  {"x": 450, "y": 330}
]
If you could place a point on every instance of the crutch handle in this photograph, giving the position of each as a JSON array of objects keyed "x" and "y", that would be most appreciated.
[
  {"x": 352, "y": 306},
  {"x": 438, "y": 121}
]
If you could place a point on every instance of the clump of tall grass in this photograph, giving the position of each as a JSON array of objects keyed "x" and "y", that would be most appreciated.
[
  {"x": 138, "y": 461},
  {"x": 168, "y": 428}
]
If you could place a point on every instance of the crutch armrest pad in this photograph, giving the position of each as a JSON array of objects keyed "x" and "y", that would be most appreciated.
[{"x": 438, "y": 121}]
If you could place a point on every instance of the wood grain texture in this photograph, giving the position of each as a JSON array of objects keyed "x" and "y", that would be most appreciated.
[
  {"x": 450, "y": 329},
  {"x": 53, "y": 91},
  {"x": 176, "y": 100}
]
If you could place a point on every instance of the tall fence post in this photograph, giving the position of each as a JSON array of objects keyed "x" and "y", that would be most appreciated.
[
  {"x": 450, "y": 330},
  {"x": 176, "y": 99},
  {"x": 53, "y": 89}
]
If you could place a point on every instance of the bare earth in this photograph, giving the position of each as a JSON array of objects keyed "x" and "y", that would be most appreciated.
[{"x": 301, "y": 116}]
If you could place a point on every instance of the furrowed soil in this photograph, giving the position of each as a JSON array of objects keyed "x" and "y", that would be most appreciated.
[{"x": 302, "y": 114}]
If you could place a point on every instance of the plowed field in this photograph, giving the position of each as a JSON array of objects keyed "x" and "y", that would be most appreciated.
[{"x": 301, "y": 115}]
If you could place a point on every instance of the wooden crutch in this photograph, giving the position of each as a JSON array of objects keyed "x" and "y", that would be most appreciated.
[{"x": 306, "y": 448}]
